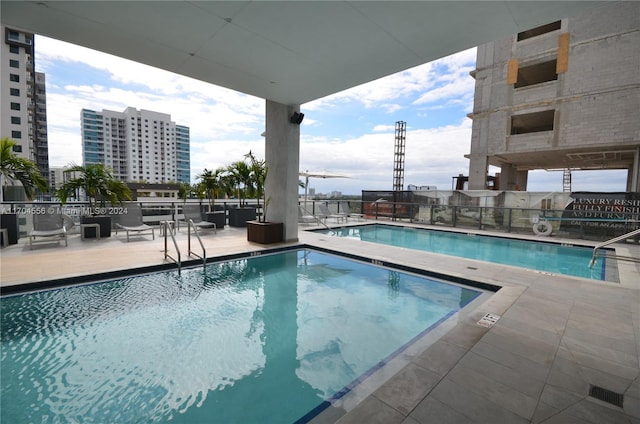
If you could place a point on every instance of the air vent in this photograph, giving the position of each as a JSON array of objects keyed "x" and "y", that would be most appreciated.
[{"x": 605, "y": 395}]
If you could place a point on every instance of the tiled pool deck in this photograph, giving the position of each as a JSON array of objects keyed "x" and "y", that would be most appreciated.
[{"x": 556, "y": 337}]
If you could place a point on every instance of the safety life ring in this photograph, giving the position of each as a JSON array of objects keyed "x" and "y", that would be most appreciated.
[{"x": 542, "y": 228}]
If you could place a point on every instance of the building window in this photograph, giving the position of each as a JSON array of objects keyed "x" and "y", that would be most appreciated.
[
  {"x": 14, "y": 63},
  {"x": 17, "y": 148},
  {"x": 16, "y": 134},
  {"x": 14, "y": 49},
  {"x": 14, "y": 35},
  {"x": 15, "y": 106},
  {"x": 14, "y": 77},
  {"x": 536, "y": 74},
  {"x": 534, "y": 32},
  {"x": 14, "y": 91},
  {"x": 15, "y": 120},
  {"x": 532, "y": 122}
]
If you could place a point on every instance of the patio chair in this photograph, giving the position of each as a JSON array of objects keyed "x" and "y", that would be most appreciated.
[
  {"x": 305, "y": 217},
  {"x": 325, "y": 213},
  {"x": 192, "y": 213},
  {"x": 48, "y": 226},
  {"x": 131, "y": 221},
  {"x": 345, "y": 210}
]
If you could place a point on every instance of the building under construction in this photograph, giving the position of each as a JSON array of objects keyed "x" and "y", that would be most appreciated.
[{"x": 561, "y": 96}]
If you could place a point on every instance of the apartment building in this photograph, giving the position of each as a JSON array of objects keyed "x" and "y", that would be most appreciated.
[
  {"x": 562, "y": 96},
  {"x": 140, "y": 145},
  {"x": 23, "y": 110}
]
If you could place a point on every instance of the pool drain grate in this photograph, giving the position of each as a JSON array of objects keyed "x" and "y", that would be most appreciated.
[{"x": 605, "y": 395}]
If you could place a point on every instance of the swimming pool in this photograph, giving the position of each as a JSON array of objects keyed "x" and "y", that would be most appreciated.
[
  {"x": 541, "y": 256},
  {"x": 272, "y": 338}
]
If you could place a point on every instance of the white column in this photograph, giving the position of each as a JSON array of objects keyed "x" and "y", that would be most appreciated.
[{"x": 282, "y": 154}]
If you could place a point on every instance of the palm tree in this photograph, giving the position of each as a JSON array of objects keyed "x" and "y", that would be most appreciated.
[
  {"x": 259, "y": 170},
  {"x": 240, "y": 174},
  {"x": 24, "y": 171},
  {"x": 98, "y": 182},
  {"x": 210, "y": 182},
  {"x": 183, "y": 191}
]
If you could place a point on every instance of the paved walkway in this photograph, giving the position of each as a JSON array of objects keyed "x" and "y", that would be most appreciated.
[{"x": 556, "y": 337}]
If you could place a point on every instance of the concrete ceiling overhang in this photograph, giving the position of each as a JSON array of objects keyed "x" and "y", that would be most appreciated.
[
  {"x": 585, "y": 158},
  {"x": 289, "y": 52}
]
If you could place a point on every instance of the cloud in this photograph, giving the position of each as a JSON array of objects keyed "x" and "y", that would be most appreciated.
[
  {"x": 433, "y": 156},
  {"x": 443, "y": 79}
]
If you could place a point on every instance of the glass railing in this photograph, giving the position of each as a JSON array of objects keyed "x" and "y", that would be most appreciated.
[{"x": 524, "y": 221}]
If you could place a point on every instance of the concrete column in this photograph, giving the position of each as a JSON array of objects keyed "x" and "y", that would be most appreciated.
[
  {"x": 522, "y": 179},
  {"x": 478, "y": 168},
  {"x": 282, "y": 154},
  {"x": 511, "y": 179},
  {"x": 633, "y": 174}
]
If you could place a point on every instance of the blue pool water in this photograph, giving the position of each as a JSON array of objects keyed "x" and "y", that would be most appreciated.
[
  {"x": 549, "y": 257},
  {"x": 266, "y": 339}
]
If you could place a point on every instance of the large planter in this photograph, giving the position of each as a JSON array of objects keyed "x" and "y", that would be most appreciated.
[
  {"x": 238, "y": 217},
  {"x": 103, "y": 221},
  {"x": 265, "y": 232},
  {"x": 218, "y": 218},
  {"x": 9, "y": 221}
]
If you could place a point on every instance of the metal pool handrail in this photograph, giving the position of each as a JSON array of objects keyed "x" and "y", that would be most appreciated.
[
  {"x": 190, "y": 225},
  {"x": 169, "y": 230},
  {"x": 318, "y": 220},
  {"x": 613, "y": 240}
]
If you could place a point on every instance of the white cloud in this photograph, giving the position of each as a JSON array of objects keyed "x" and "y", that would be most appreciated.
[
  {"x": 445, "y": 78},
  {"x": 433, "y": 156}
]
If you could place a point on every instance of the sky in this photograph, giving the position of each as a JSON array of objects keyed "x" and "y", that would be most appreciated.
[{"x": 350, "y": 133}]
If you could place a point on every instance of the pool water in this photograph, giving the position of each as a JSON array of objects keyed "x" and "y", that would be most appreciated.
[
  {"x": 267, "y": 339},
  {"x": 541, "y": 256}
]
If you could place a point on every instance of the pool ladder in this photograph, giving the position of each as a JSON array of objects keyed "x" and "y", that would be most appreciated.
[
  {"x": 320, "y": 221},
  {"x": 195, "y": 231},
  {"x": 167, "y": 226},
  {"x": 623, "y": 237},
  {"x": 168, "y": 230}
]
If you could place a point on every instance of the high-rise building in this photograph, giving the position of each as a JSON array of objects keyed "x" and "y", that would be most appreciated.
[
  {"x": 561, "y": 96},
  {"x": 183, "y": 156},
  {"x": 140, "y": 145},
  {"x": 23, "y": 110}
]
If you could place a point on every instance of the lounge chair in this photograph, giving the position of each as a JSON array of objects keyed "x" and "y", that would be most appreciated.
[
  {"x": 131, "y": 221},
  {"x": 305, "y": 217},
  {"x": 193, "y": 213},
  {"x": 325, "y": 213},
  {"x": 48, "y": 225},
  {"x": 345, "y": 210}
]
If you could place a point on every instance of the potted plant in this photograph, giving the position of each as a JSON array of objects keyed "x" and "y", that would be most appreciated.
[
  {"x": 100, "y": 185},
  {"x": 261, "y": 230},
  {"x": 16, "y": 169},
  {"x": 239, "y": 178},
  {"x": 210, "y": 182}
]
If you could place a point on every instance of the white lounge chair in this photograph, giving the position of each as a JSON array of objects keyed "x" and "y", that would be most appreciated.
[
  {"x": 345, "y": 210},
  {"x": 325, "y": 213},
  {"x": 131, "y": 221},
  {"x": 194, "y": 214},
  {"x": 48, "y": 226},
  {"x": 305, "y": 217}
]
